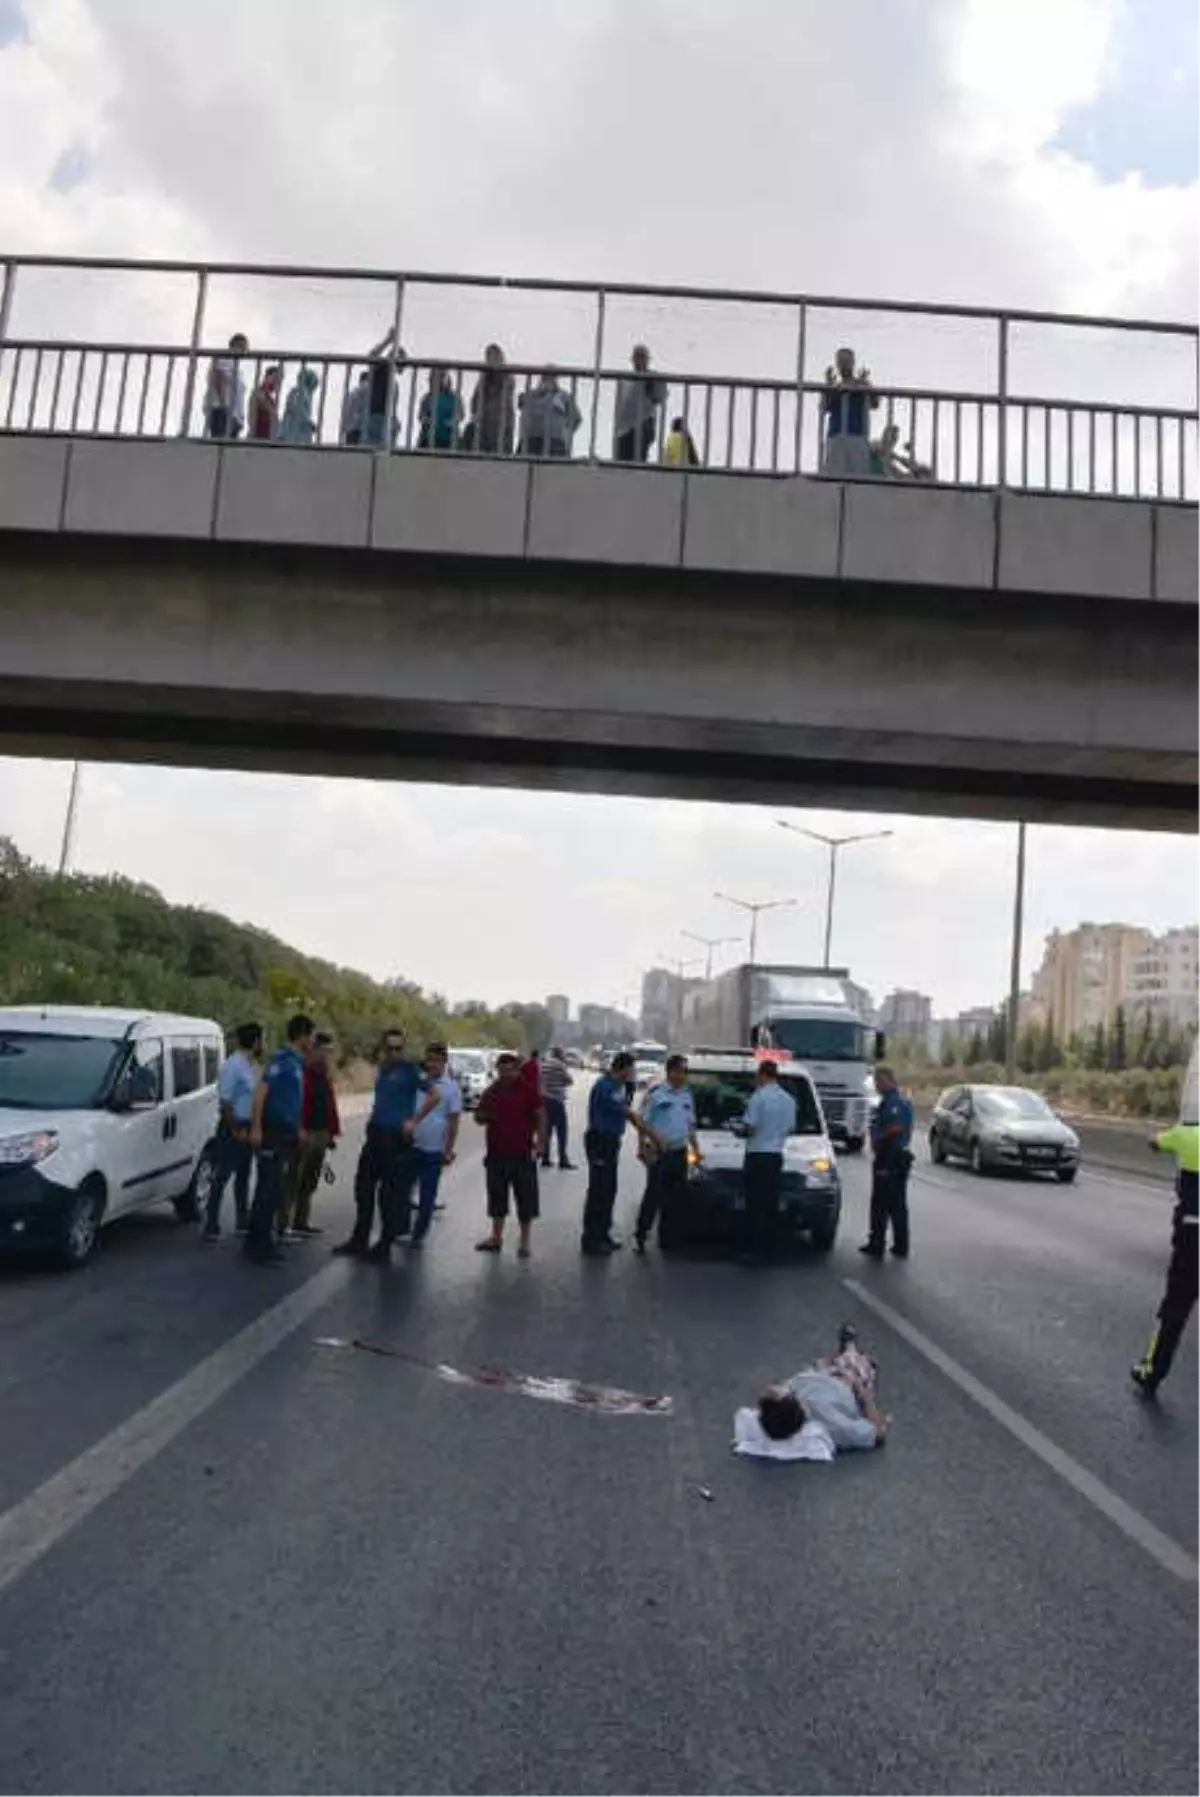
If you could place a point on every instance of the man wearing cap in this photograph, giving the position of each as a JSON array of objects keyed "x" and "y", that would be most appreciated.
[
  {"x": 1180, "y": 1296},
  {"x": 609, "y": 1110}
]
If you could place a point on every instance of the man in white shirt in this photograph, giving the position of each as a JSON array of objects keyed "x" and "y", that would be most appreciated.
[
  {"x": 225, "y": 399},
  {"x": 769, "y": 1120},
  {"x": 435, "y": 1136},
  {"x": 234, "y": 1157}
]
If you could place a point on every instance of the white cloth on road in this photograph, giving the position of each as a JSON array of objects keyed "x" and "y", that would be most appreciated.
[{"x": 812, "y": 1442}]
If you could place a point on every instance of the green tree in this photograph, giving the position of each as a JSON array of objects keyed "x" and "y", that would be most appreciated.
[{"x": 1118, "y": 1045}]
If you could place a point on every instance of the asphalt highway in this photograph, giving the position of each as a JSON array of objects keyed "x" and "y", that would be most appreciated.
[{"x": 234, "y": 1559}]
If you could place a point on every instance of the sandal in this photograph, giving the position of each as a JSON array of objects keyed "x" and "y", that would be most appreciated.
[
  {"x": 487, "y": 1246},
  {"x": 524, "y": 1252}
]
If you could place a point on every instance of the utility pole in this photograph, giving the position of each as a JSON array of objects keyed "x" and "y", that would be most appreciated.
[
  {"x": 708, "y": 943},
  {"x": 754, "y": 907},
  {"x": 68, "y": 835},
  {"x": 1014, "y": 977},
  {"x": 833, "y": 844}
]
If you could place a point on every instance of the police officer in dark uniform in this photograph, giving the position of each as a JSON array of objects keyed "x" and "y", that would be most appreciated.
[
  {"x": 1180, "y": 1296},
  {"x": 275, "y": 1132},
  {"x": 891, "y": 1136}
]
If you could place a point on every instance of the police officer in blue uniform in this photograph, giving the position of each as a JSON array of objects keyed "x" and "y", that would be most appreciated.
[
  {"x": 670, "y": 1110},
  {"x": 275, "y": 1135},
  {"x": 389, "y": 1163},
  {"x": 891, "y": 1136}
]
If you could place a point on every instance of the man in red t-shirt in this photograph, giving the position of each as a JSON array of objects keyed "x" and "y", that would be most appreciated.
[{"x": 511, "y": 1111}]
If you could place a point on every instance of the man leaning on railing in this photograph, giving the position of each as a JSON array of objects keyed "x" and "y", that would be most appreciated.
[{"x": 848, "y": 398}]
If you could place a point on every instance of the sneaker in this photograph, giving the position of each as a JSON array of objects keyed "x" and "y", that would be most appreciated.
[
  {"x": 568, "y": 1167},
  {"x": 639, "y": 1244},
  {"x": 614, "y": 1242},
  {"x": 869, "y": 1249},
  {"x": 307, "y": 1229},
  {"x": 439, "y": 1205},
  {"x": 596, "y": 1250},
  {"x": 380, "y": 1255},
  {"x": 1145, "y": 1381},
  {"x": 352, "y": 1249},
  {"x": 242, "y": 1229},
  {"x": 899, "y": 1253},
  {"x": 546, "y": 1163},
  {"x": 418, "y": 1241},
  {"x": 210, "y": 1235}
]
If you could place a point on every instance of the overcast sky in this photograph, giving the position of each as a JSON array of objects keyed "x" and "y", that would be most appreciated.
[{"x": 1037, "y": 153}]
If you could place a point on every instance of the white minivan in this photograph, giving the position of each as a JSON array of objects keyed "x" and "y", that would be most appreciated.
[{"x": 101, "y": 1113}]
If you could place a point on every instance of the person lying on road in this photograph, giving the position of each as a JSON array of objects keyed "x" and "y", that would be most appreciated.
[{"x": 824, "y": 1410}]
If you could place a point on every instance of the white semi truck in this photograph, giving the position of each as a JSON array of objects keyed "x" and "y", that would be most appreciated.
[{"x": 809, "y": 1011}]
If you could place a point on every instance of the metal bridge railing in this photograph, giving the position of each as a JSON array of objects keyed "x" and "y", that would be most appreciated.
[{"x": 968, "y": 435}]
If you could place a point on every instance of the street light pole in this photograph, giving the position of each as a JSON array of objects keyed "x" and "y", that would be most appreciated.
[
  {"x": 708, "y": 943},
  {"x": 68, "y": 835},
  {"x": 1014, "y": 977},
  {"x": 833, "y": 844},
  {"x": 754, "y": 907}
]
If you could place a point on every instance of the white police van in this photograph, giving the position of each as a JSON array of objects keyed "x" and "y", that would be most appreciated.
[
  {"x": 101, "y": 1112},
  {"x": 810, "y": 1196}
]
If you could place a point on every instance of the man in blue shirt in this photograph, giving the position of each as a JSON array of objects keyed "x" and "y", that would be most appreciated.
[
  {"x": 275, "y": 1135},
  {"x": 234, "y": 1156},
  {"x": 609, "y": 1110},
  {"x": 891, "y": 1134},
  {"x": 670, "y": 1110},
  {"x": 389, "y": 1163},
  {"x": 845, "y": 404},
  {"x": 770, "y": 1118}
]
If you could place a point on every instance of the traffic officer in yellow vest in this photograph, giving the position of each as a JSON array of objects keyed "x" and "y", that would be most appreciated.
[{"x": 1180, "y": 1296}]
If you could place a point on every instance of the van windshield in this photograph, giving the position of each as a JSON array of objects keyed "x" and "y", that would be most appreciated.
[
  {"x": 40, "y": 1072},
  {"x": 720, "y": 1096}
]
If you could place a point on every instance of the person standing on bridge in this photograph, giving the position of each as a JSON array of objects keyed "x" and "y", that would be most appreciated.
[
  {"x": 549, "y": 418},
  {"x": 298, "y": 424},
  {"x": 635, "y": 421},
  {"x": 492, "y": 425},
  {"x": 891, "y": 1136},
  {"x": 276, "y": 1132},
  {"x": 440, "y": 412},
  {"x": 845, "y": 408},
  {"x": 609, "y": 1110},
  {"x": 1180, "y": 1296},
  {"x": 225, "y": 397}
]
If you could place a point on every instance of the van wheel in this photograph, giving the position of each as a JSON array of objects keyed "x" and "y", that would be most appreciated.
[
  {"x": 824, "y": 1236},
  {"x": 854, "y": 1144},
  {"x": 81, "y": 1228},
  {"x": 937, "y": 1149},
  {"x": 191, "y": 1205}
]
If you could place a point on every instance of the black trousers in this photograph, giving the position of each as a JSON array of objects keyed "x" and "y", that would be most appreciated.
[
  {"x": 556, "y": 1122},
  {"x": 1182, "y": 1292},
  {"x": 760, "y": 1182},
  {"x": 273, "y": 1168},
  {"x": 634, "y": 445},
  {"x": 515, "y": 1173},
  {"x": 603, "y": 1155},
  {"x": 390, "y": 1166},
  {"x": 666, "y": 1181},
  {"x": 889, "y": 1202},
  {"x": 234, "y": 1160}
]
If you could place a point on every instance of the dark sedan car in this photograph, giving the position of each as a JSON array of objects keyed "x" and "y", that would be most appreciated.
[{"x": 1003, "y": 1129}]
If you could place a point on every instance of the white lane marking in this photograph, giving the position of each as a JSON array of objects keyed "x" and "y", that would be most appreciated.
[
  {"x": 36, "y": 1524},
  {"x": 1131, "y": 1522}
]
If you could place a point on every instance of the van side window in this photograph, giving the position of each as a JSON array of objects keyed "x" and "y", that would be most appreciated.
[
  {"x": 187, "y": 1066},
  {"x": 144, "y": 1076},
  {"x": 212, "y": 1063}
]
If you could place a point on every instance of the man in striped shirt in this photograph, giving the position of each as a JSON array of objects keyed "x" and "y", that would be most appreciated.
[{"x": 556, "y": 1082}]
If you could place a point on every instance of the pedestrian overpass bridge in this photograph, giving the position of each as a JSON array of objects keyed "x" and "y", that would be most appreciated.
[{"x": 1010, "y": 634}]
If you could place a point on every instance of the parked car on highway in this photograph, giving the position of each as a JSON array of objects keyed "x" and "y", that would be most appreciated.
[
  {"x": 101, "y": 1113},
  {"x": 810, "y": 1194},
  {"x": 1003, "y": 1129},
  {"x": 472, "y": 1068}
]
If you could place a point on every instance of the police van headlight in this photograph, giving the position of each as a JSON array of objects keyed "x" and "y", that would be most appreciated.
[
  {"x": 28, "y": 1149},
  {"x": 820, "y": 1171}
]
